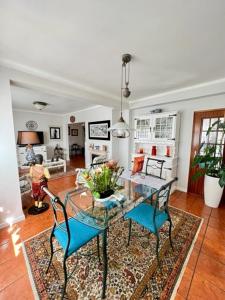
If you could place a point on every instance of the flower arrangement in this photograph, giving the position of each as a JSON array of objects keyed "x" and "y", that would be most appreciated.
[{"x": 102, "y": 181}]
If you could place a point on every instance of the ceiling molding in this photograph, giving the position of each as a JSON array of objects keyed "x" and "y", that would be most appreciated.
[
  {"x": 57, "y": 114},
  {"x": 37, "y": 112},
  {"x": 33, "y": 78},
  {"x": 215, "y": 87},
  {"x": 84, "y": 109}
]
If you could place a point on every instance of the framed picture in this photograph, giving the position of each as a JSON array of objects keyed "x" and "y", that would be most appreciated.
[
  {"x": 74, "y": 132},
  {"x": 55, "y": 133},
  {"x": 99, "y": 130}
]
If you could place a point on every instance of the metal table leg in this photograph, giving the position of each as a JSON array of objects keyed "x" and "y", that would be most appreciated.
[{"x": 105, "y": 262}]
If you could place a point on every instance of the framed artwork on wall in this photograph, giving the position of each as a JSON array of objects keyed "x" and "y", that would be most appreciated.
[
  {"x": 55, "y": 133},
  {"x": 99, "y": 130},
  {"x": 74, "y": 132}
]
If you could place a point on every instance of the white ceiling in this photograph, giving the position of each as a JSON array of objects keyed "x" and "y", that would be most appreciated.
[
  {"x": 175, "y": 43},
  {"x": 23, "y": 98}
]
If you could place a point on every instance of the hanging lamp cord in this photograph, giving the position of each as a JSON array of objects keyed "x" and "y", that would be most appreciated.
[
  {"x": 127, "y": 74},
  {"x": 121, "y": 95}
]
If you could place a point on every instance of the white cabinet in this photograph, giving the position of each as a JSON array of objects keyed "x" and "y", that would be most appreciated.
[
  {"x": 21, "y": 154},
  {"x": 164, "y": 127},
  {"x": 160, "y": 131},
  {"x": 142, "y": 128},
  {"x": 156, "y": 127}
]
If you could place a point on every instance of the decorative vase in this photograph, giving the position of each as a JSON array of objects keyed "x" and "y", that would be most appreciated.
[
  {"x": 212, "y": 191},
  {"x": 154, "y": 150},
  {"x": 105, "y": 196}
]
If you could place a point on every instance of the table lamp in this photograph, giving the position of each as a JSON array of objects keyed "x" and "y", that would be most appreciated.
[{"x": 28, "y": 138}]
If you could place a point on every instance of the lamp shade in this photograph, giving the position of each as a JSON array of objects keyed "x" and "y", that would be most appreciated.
[
  {"x": 120, "y": 129},
  {"x": 28, "y": 137}
]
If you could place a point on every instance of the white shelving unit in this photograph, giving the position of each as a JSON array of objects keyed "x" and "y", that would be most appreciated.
[{"x": 160, "y": 130}]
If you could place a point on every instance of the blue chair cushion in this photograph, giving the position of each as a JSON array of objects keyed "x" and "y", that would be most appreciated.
[
  {"x": 143, "y": 214},
  {"x": 80, "y": 234}
]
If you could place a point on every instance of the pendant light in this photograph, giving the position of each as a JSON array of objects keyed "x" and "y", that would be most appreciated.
[
  {"x": 40, "y": 105},
  {"x": 121, "y": 128}
]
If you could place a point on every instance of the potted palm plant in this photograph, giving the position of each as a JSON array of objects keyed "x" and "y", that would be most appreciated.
[{"x": 210, "y": 164}]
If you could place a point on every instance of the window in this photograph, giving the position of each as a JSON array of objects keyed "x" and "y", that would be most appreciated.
[{"x": 214, "y": 137}]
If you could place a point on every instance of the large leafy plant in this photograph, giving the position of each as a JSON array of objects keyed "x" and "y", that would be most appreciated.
[
  {"x": 102, "y": 181},
  {"x": 209, "y": 159}
]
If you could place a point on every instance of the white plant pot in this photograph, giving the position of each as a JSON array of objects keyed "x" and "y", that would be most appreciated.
[{"x": 212, "y": 191}]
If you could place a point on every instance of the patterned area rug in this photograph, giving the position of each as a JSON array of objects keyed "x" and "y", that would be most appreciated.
[{"x": 133, "y": 271}]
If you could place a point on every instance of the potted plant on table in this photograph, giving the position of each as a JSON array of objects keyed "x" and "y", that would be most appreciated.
[
  {"x": 102, "y": 181},
  {"x": 210, "y": 163}
]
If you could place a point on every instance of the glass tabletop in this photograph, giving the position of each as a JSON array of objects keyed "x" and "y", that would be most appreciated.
[{"x": 100, "y": 213}]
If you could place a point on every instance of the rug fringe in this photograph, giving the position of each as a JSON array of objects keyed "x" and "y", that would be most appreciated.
[
  {"x": 33, "y": 286},
  {"x": 186, "y": 261}
]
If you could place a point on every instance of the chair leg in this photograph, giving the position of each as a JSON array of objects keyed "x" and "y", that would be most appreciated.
[
  {"x": 65, "y": 276},
  {"x": 98, "y": 249},
  {"x": 157, "y": 247},
  {"x": 105, "y": 262},
  {"x": 129, "y": 236},
  {"x": 170, "y": 237},
  {"x": 51, "y": 246}
]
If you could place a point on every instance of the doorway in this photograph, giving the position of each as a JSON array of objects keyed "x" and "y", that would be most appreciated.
[
  {"x": 202, "y": 121},
  {"x": 76, "y": 140}
]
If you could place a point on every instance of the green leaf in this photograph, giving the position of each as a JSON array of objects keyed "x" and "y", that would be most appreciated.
[
  {"x": 96, "y": 195},
  {"x": 197, "y": 175}
]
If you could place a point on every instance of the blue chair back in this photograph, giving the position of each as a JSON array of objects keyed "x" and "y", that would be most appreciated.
[{"x": 60, "y": 214}]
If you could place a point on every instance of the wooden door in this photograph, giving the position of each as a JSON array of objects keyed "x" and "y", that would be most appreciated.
[{"x": 202, "y": 121}]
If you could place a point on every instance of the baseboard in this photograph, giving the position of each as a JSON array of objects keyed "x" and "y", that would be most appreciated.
[
  {"x": 182, "y": 189},
  {"x": 18, "y": 219}
]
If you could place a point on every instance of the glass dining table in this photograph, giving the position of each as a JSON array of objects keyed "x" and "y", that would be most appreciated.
[{"x": 102, "y": 213}]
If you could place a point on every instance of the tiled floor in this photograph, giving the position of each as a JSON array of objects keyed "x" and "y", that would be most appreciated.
[{"x": 204, "y": 277}]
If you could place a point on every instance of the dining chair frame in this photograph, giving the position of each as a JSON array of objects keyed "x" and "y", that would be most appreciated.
[
  {"x": 162, "y": 193},
  {"x": 58, "y": 206},
  {"x": 97, "y": 164},
  {"x": 157, "y": 165}
]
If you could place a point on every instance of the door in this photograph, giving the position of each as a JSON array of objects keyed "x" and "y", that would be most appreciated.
[{"x": 202, "y": 121}]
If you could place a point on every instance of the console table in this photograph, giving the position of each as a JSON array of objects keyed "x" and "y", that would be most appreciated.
[{"x": 55, "y": 164}]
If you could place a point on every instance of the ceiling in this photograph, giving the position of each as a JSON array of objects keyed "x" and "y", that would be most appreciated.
[
  {"x": 175, "y": 43},
  {"x": 23, "y": 98}
]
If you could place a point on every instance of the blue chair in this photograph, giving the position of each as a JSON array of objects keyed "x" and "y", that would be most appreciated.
[
  {"x": 152, "y": 217},
  {"x": 70, "y": 234}
]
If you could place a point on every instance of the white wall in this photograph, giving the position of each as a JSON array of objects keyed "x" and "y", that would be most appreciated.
[
  {"x": 121, "y": 147},
  {"x": 44, "y": 121},
  {"x": 186, "y": 108},
  {"x": 98, "y": 113},
  {"x": 10, "y": 198}
]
